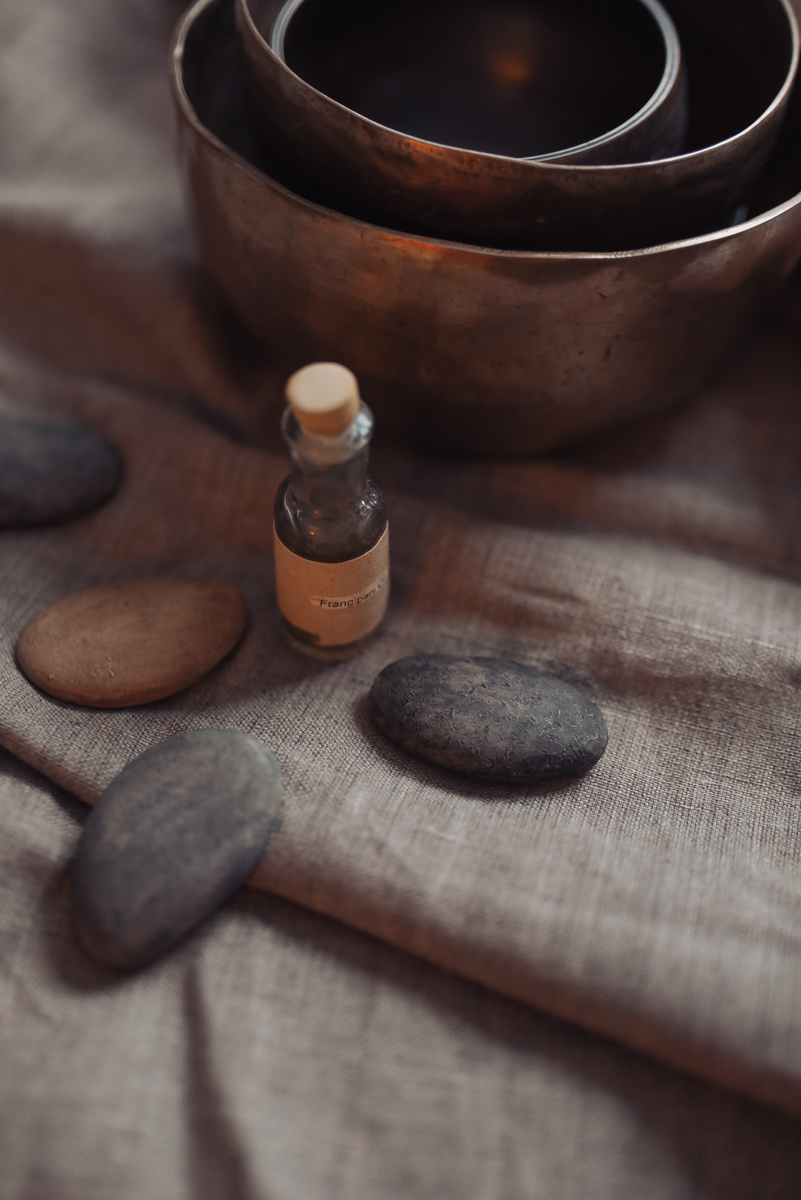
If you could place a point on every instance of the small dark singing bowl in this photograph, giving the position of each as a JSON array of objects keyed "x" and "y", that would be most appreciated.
[
  {"x": 544, "y": 79},
  {"x": 741, "y": 57},
  {"x": 463, "y": 347}
]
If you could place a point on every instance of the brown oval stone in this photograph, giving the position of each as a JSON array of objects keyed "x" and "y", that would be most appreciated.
[{"x": 130, "y": 643}]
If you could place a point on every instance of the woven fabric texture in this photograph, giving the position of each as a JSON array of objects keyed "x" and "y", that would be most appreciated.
[
  {"x": 277, "y": 1054},
  {"x": 652, "y": 905}
]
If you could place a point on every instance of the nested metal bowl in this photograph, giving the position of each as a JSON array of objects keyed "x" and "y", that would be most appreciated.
[
  {"x": 740, "y": 55},
  {"x": 466, "y": 347},
  {"x": 569, "y": 79}
]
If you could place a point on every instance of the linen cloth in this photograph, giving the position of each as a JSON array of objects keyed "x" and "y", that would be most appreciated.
[
  {"x": 277, "y": 1054},
  {"x": 654, "y": 902}
]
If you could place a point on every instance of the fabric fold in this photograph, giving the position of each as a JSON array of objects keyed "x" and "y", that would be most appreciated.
[{"x": 653, "y": 900}]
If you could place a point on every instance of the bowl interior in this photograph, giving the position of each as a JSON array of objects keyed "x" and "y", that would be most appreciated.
[
  {"x": 522, "y": 78},
  {"x": 737, "y": 55},
  {"x": 212, "y": 79}
]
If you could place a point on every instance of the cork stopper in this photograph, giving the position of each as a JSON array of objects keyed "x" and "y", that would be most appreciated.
[{"x": 324, "y": 397}]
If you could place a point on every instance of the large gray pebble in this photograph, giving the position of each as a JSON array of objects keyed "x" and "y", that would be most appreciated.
[
  {"x": 52, "y": 472},
  {"x": 488, "y": 717},
  {"x": 178, "y": 830}
]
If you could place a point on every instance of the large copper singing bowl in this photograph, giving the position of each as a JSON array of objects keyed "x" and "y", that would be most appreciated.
[
  {"x": 495, "y": 352},
  {"x": 544, "y": 79},
  {"x": 740, "y": 56}
]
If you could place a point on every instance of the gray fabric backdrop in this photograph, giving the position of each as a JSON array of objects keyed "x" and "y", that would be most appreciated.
[{"x": 650, "y": 909}]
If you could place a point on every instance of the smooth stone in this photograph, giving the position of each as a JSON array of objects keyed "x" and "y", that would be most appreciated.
[
  {"x": 488, "y": 717},
  {"x": 178, "y": 830},
  {"x": 130, "y": 643},
  {"x": 52, "y": 472}
]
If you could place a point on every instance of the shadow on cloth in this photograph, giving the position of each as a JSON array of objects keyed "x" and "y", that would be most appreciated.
[
  {"x": 728, "y": 1148},
  {"x": 733, "y": 1149}
]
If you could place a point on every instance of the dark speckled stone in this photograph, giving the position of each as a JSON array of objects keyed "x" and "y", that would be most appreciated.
[
  {"x": 52, "y": 472},
  {"x": 487, "y": 717},
  {"x": 178, "y": 830}
]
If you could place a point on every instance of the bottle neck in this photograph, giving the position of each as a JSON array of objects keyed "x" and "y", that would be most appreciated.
[{"x": 329, "y": 473}]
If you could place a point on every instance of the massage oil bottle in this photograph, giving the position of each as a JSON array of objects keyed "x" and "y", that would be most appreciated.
[{"x": 331, "y": 535}]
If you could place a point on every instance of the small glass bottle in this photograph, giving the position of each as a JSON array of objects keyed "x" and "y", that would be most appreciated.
[{"x": 331, "y": 533}]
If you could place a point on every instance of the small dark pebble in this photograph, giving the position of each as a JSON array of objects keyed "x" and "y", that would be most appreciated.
[
  {"x": 488, "y": 717},
  {"x": 178, "y": 830},
  {"x": 53, "y": 472}
]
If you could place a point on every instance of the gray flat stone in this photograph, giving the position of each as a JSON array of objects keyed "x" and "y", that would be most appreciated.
[
  {"x": 178, "y": 830},
  {"x": 52, "y": 472},
  {"x": 488, "y": 717}
]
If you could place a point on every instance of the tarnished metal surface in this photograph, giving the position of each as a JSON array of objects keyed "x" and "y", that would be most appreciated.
[
  {"x": 737, "y": 98},
  {"x": 546, "y": 79},
  {"x": 485, "y": 351}
]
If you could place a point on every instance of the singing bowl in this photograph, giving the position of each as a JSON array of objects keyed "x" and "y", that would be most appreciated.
[
  {"x": 546, "y": 79},
  {"x": 458, "y": 346},
  {"x": 740, "y": 55}
]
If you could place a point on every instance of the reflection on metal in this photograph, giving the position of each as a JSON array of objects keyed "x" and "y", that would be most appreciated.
[
  {"x": 540, "y": 79},
  {"x": 738, "y": 101},
  {"x": 474, "y": 349}
]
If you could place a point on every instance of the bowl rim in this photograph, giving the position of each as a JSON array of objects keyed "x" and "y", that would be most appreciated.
[
  {"x": 671, "y": 77},
  {"x": 549, "y": 164},
  {"x": 176, "y": 61}
]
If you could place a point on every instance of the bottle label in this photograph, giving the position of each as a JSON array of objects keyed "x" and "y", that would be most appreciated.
[{"x": 334, "y": 603}]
